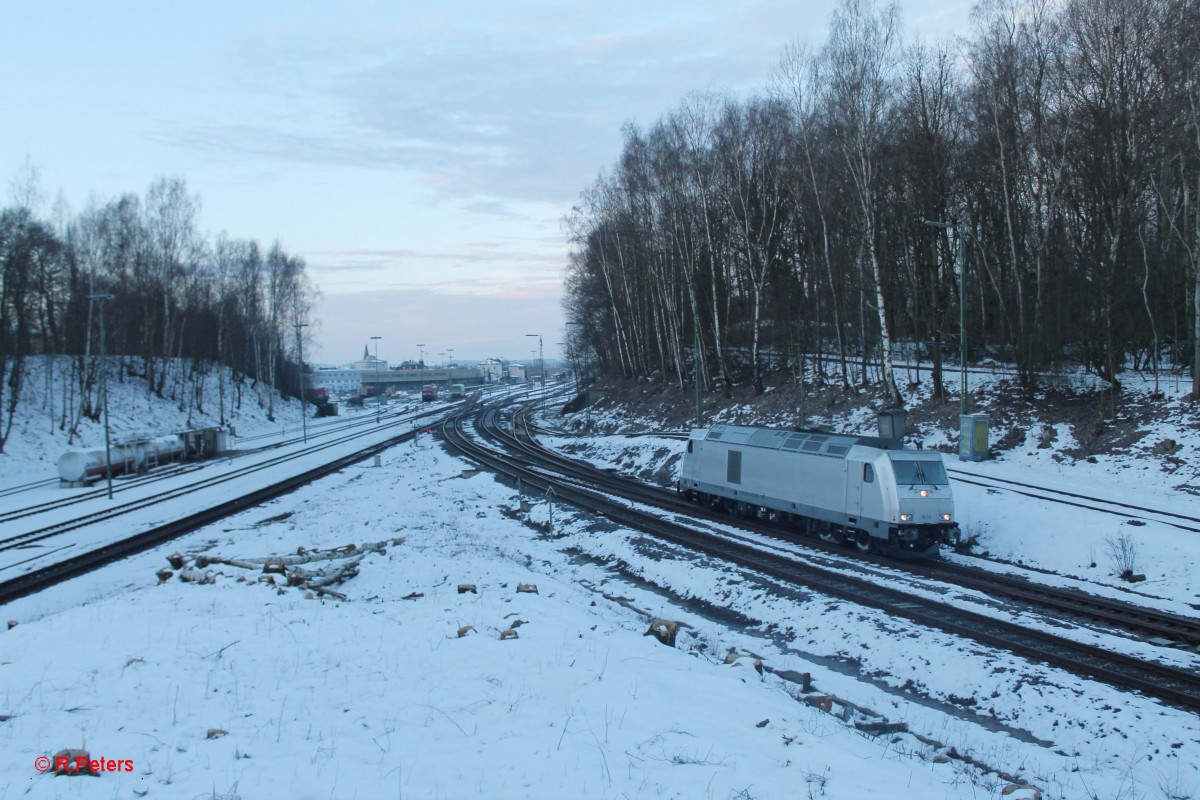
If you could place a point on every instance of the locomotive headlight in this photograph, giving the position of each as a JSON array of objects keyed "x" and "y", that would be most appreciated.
[
  {"x": 906, "y": 517},
  {"x": 924, "y": 493},
  {"x": 946, "y": 517}
]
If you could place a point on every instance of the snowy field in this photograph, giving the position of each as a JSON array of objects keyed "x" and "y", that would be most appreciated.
[{"x": 245, "y": 689}]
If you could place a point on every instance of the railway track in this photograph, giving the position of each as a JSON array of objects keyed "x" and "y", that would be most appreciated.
[
  {"x": 65, "y": 569},
  {"x": 1159, "y": 628},
  {"x": 1184, "y": 522},
  {"x": 27, "y": 538},
  {"x": 28, "y": 487},
  {"x": 1156, "y": 627},
  {"x": 127, "y": 483},
  {"x": 594, "y": 491}
]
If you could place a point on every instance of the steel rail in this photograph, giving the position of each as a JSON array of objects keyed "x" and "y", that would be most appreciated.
[
  {"x": 1170, "y": 684},
  {"x": 57, "y": 529},
  {"x": 46, "y": 577},
  {"x": 1168, "y": 628},
  {"x": 177, "y": 467}
]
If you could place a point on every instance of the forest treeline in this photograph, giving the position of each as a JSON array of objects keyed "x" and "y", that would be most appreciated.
[
  {"x": 181, "y": 305},
  {"x": 790, "y": 230}
]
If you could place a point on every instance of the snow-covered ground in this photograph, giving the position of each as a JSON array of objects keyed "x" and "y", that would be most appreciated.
[{"x": 379, "y": 695}]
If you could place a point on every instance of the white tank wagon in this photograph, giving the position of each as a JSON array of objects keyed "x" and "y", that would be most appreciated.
[
  {"x": 861, "y": 490},
  {"x": 76, "y": 467}
]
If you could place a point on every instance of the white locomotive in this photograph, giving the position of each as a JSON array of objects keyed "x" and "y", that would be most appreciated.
[{"x": 862, "y": 490}]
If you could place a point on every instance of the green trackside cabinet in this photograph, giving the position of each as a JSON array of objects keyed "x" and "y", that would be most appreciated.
[{"x": 972, "y": 437}]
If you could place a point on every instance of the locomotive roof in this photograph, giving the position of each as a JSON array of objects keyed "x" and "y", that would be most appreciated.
[{"x": 811, "y": 442}]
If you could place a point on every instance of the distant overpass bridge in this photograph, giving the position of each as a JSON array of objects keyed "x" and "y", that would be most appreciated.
[{"x": 411, "y": 380}]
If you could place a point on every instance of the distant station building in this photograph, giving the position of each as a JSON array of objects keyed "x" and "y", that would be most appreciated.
[
  {"x": 348, "y": 378},
  {"x": 492, "y": 369},
  {"x": 336, "y": 381}
]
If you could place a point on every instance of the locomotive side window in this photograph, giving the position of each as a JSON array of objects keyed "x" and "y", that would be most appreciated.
[
  {"x": 868, "y": 474},
  {"x": 733, "y": 467}
]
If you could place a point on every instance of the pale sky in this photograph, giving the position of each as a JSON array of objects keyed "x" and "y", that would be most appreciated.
[{"x": 419, "y": 156}]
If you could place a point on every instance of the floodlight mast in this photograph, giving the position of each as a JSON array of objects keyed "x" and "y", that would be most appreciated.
[{"x": 541, "y": 360}]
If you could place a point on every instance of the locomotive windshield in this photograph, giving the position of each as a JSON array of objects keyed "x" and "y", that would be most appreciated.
[{"x": 910, "y": 472}]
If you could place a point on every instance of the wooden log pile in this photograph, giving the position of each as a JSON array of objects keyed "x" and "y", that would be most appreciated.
[{"x": 194, "y": 569}]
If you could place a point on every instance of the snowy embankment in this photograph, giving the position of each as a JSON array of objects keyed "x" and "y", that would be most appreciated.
[{"x": 41, "y": 429}]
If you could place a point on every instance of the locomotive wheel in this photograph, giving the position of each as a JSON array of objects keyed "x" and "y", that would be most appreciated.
[
  {"x": 862, "y": 541},
  {"x": 830, "y": 537}
]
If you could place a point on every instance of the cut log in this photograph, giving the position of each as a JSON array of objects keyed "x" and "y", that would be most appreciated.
[{"x": 664, "y": 630}]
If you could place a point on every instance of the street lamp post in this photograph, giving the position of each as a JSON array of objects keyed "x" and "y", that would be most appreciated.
[
  {"x": 378, "y": 385},
  {"x": 101, "y": 298},
  {"x": 962, "y": 305},
  {"x": 421, "y": 360},
  {"x": 541, "y": 361},
  {"x": 303, "y": 408}
]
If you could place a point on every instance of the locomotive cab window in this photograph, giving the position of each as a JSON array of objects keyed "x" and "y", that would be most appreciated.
[
  {"x": 868, "y": 474},
  {"x": 911, "y": 472}
]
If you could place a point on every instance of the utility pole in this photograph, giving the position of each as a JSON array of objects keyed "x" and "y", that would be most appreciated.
[
  {"x": 541, "y": 361},
  {"x": 962, "y": 305},
  {"x": 378, "y": 385},
  {"x": 303, "y": 381},
  {"x": 696, "y": 364},
  {"x": 421, "y": 360},
  {"x": 101, "y": 299}
]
